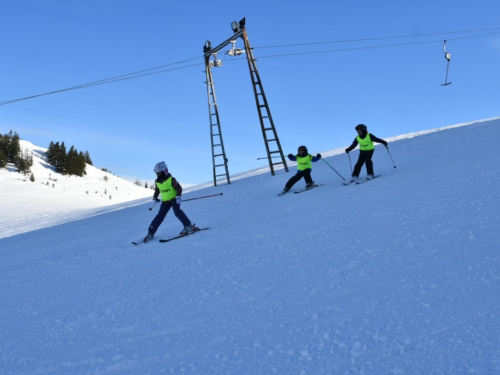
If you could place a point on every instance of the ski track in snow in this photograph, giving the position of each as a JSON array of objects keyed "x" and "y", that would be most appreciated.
[{"x": 396, "y": 276}]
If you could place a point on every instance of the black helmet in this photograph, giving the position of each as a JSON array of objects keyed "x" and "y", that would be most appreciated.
[
  {"x": 302, "y": 148},
  {"x": 361, "y": 127}
]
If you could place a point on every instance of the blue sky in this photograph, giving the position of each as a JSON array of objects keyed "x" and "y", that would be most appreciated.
[{"x": 315, "y": 99}]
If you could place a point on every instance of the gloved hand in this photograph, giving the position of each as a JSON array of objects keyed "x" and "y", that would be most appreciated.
[
  {"x": 386, "y": 145},
  {"x": 178, "y": 200},
  {"x": 156, "y": 199},
  {"x": 347, "y": 150},
  {"x": 318, "y": 156},
  {"x": 290, "y": 155}
]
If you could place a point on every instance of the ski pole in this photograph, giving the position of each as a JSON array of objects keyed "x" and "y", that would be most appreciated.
[
  {"x": 206, "y": 196},
  {"x": 151, "y": 208},
  {"x": 333, "y": 168},
  {"x": 350, "y": 164},
  {"x": 387, "y": 148},
  {"x": 272, "y": 157}
]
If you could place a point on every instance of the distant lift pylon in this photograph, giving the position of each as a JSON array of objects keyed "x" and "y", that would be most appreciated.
[{"x": 447, "y": 56}]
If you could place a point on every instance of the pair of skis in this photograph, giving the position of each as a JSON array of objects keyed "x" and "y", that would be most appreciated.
[
  {"x": 172, "y": 238},
  {"x": 301, "y": 191},
  {"x": 358, "y": 182},
  {"x": 361, "y": 181}
]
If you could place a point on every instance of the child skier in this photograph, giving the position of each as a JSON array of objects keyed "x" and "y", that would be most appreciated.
[
  {"x": 171, "y": 192},
  {"x": 366, "y": 149},
  {"x": 304, "y": 168}
]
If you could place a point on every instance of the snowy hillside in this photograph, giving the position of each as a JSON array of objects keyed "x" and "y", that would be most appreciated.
[
  {"x": 400, "y": 275},
  {"x": 54, "y": 198}
]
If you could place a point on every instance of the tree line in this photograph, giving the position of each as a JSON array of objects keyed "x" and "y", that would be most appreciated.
[
  {"x": 11, "y": 152},
  {"x": 69, "y": 162}
]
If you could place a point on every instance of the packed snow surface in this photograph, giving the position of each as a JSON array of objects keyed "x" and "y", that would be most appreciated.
[{"x": 400, "y": 275}]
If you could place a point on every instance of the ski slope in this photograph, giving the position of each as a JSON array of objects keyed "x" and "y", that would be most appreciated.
[
  {"x": 400, "y": 275},
  {"x": 54, "y": 198}
]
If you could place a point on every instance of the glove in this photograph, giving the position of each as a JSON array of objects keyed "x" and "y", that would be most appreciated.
[
  {"x": 290, "y": 155},
  {"x": 318, "y": 156},
  {"x": 178, "y": 200},
  {"x": 156, "y": 199},
  {"x": 386, "y": 145},
  {"x": 347, "y": 150}
]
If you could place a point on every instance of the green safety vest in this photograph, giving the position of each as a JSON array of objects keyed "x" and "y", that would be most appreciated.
[
  {"x": 365, "y": 144},
  {"x": 167, "y": 190},
  {"x": 304, "y": 162}
]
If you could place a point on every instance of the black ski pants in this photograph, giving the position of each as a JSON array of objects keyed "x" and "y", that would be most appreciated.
[
  {"x": 306, "y": 173},
  {"x": 365, "y": 157},
  {"x": 162, "y": 212}
]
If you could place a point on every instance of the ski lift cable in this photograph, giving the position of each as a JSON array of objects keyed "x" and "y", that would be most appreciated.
[
  {"x": 97, "y": 83},
  {"x": 378, "y": 38},
  {"x": 136, "y": 74},
  {"x": 372, "y": 47}
]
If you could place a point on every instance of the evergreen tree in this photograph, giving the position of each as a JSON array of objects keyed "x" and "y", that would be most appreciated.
[
  {"x": 82, "y": 164},
  {"x": 24, "y": 162},
  {"x": 88, "y": 160},
  {"x": 70, "y": 166},
  {"x": 32, "y": 178},
  {"x": 14, "y": 152},
  {"x": 3, "y": 145},
  {"x": 61, "y": 159},
  {"x": 51, "y": 153},
  {"x": 3, "y": 157}
]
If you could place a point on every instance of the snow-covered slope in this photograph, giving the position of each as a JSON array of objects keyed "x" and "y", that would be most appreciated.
[
  {"x": 54, "y": 198},
  {"x": 400, "y": 275}
]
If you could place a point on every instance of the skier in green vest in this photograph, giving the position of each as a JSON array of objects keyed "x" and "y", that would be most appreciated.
[
  {"x": 171, "y": 192},
  {"x": 304, "y": 168},
  {"x": 366, "y": 149}
]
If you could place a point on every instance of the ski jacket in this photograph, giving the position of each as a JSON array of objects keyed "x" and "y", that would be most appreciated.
[
  {"x": 372, "y": 137},
  {"x": 161, "y": 181},
  {"x": 304, "y": 162}
]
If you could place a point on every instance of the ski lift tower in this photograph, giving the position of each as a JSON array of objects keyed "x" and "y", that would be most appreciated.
[{"x": 269, "y": 133}]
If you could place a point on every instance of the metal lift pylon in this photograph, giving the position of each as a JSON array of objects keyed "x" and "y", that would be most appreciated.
[{"x": 271, "y": 140}]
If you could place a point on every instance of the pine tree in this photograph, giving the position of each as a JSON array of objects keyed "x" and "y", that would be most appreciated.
[
  {"x": 3, "y": 158},
  {"x": 88, "y": 160},
  {"x": 24, "y": 162},
  {"x": 50, "y": 153},
  {"x": 61, "y": 159},
  {"x": 14, "y": 152},
  {"x": 82, "y": 164},
  {"x": 32, "y": 178}
]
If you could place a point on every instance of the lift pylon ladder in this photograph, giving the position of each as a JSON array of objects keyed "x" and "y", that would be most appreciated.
[
  {"x": 271, "y": 140},
  {"x": 219, "y": 159}
]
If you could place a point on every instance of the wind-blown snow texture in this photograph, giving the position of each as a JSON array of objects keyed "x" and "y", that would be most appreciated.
[{"x": 400, "y": 275}]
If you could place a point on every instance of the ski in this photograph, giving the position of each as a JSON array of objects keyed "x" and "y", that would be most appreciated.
[
  {"x": 348, "y": 183},
  {"x": 366, "y": 180},
  {"x": 140, "y": 242},
  {"x": 183, "y": 235},
  {"x": 306, "y": 189}
]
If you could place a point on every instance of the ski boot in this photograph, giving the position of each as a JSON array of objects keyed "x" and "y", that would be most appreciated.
[
  {"x": 149, "y": 237},
  {"x": 188, "y": 229}
]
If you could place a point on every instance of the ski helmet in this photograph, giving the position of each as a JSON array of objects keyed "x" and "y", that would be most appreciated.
[
  {"x": 302, "y": 148},
  {"x": 161, "y": 167},
  {"x": 361, "y": 127}
]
